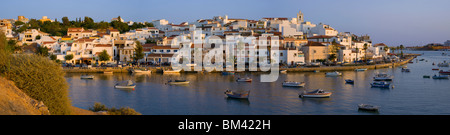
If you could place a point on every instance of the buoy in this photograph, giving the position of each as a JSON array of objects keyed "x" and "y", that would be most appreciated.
[{"x": 392, "y": 86}]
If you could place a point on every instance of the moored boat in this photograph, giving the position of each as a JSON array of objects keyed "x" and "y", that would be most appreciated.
[
  {"x": 87, "y": 76},
  {"x": 171, "y": 71},
  {"x": 178, "y": 82},
  {"x": 443, "y": 65},
  {"x": 247, "y": 79},
  {"x": 318, "y": 93},
  {"x": 405, "y": 70},
  {"x": 426, "y": 76},
  {"x": 238, "y": 95},
  {"x": 143, "y": 71},
  {"x": 227, "y": 73},
  {"x": 383, "y": 77},
  {"x": 442, "y": 72},
  {"x": 368, "y": 107},
  {"x": 440, "y": 77},
  {"x": 283, "y": 71},
  {"x": 293, "y": 84},
  {"x": 435, "y": 69},
  {"x": 381, "y": 84},
  {"x": 125, "y": 85},
  {"x": 361, "y": 69},
  {"x": 350, "y": 81},
  {"x": 335, "y": 73}
]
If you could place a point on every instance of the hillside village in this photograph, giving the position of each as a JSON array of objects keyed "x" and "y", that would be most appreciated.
[{"x": 301, "y": 42}]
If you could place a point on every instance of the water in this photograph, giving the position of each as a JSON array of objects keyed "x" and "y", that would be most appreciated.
[{"x": 412, "y": 94}]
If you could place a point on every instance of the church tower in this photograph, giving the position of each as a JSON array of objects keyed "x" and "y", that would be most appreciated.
[{"x": 299, "y": 17}]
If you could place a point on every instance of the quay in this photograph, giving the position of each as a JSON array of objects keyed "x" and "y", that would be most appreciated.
[{"x": 297, "y": 69}]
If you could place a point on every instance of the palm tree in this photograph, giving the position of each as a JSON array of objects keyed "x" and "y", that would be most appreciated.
[
  {"x": 365, "y": 51},
  {"x": 401, "y": 48}
]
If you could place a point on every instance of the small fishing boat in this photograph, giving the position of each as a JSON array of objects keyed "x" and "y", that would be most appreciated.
[
  {"x": 440, "y": 77},
  {"x": 421, "y": 59},
  {"x": 238, "y": 95},
  {"x": 368, "y": 107},
  {"x": 381, "y": 84},
  {"x": 316, "y": 71},
  {"x": 247, "y": 79},
  {"x": 171, "y": 71},
  {"x": 227, "y": 73},
  {"x": 435, "y": 69},
  {"x": 87, "y": 76},
  {"x": 426, "y": 76},
  {"x": 442, "y": 72},
  {"x": 283, "y": 71},
  {"x": 443, "y": 65},
  {"x": 335, "y": 73},
  {"x": 383, "y": 77},
  {"x": 125, "y": 85},
  {"x": 293, "y": 84},
  {"x": 350, "y": 81},
  {"x": 143, "y": 71},
  {"x": 318, "y": 93},
  {"x": 405, "y": 70},
  {"x": 178, "y": 82},
  {"x": 107, "y": 72},
  {"x": 361, "y": 69},
  {"x": 410, "y": 62}
]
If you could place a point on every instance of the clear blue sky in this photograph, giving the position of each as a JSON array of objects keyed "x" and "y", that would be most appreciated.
[{"x": 407, "y": 22}]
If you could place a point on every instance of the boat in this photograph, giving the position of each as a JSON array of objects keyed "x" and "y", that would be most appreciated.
[
  {"x": 237, "y": 95},
  {"x": 361, "y": 69},
  {"x": 435, "y": 69},
  {"x": 440, "y": 77},
  {"x": 383, "y": 77},
  {"x": 125, "y": 85},
  {"x": 283, "y": 71},
  {"x": 421, "y": 59},
  {"x": 227, "y": 73},
  {"x": 443, "y": 65},
  {"x": 380, "y": 84},
  {"x": 426, "y": 76},
  {"x": 107, "y": 72},
  {"x": 178, "y": 82},
  {"x": 247, "y": 79},
  {"x": 368, "y": 107},
  {"x": 293, "y": 84},
  {"x": 318, "y": 93},
  {"x": 442, "y": 72},
  {"x": 335, "y": 73},
  {"x": 350, "y": 81},
  {"x": 171, "y": 71},
  {"x": 410, "y": 62},
  {"x": 316, "y": 71},
  {"x": 87, "y": 76},
  {"x": 144, "y": 71},
  {"x": 405, "y": 70}
]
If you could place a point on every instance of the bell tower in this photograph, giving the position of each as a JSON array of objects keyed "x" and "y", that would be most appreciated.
[{"x": 299, "y": 17}]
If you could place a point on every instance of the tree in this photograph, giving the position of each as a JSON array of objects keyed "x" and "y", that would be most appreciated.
[
  {"x": 53, "y": 57},
  {"x": 43, "y": 51},
  {"x": 401, "y": 48},
  {"x": 139, "y": 51},
  {"x": 65, "y": 21},
  {"x": 365, "y": 51},
  {"x": 68, "y": 57},
  {"x": 104, "y": 56}
]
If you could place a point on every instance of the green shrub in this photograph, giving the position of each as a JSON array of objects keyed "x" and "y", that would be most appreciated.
[
  {"x": 39, "y": 78},
  {"x": 113, "y": 111},
  {"x": 98, "y": 107}
]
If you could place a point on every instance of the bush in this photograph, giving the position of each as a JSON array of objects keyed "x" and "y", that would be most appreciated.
[
  {"x": 113, "y": 111},
  {"x": 39, "y": 78}
]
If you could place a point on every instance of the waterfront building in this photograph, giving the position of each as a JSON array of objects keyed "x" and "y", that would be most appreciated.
[
  {"x": 315, "y": 51},
  {"x": 77, "y": 33},
  {"x": 31, "y": 36}
]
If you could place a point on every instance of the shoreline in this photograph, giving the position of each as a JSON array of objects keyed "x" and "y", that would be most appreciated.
[{"x": 301, "y": 69}]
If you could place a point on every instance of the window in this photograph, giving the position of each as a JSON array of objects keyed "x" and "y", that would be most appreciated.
[
  {"x": 161, "y": 50},
  {"x": 154, "y": 50},
  {"x": 168, "y": 50},
  {"x": 175, "y": 50}
]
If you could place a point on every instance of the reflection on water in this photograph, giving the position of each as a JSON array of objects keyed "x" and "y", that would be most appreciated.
[{"x": 204, "y": 94}]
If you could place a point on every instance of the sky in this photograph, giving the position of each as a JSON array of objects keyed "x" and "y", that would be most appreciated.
[{"x": 393, "y": 22}]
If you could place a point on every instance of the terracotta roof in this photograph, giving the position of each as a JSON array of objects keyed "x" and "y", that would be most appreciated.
[
  {"x": 103, "y": 45},
  {"x": 320, "y": 36},
  {"x": 310, "y": 43},
  {"x": 379, "y": 44}
]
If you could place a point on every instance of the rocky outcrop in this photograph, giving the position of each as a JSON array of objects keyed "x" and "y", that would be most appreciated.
[{"x": 14, "y": 102}]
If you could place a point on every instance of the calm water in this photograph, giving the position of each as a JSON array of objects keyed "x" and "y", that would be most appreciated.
[{"x": 412, "y": 94}]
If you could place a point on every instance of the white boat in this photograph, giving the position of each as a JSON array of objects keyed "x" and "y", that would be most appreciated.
[
  {"x": 293, "y": 84},
  {"x": 368, "y": 107},
  {"x": 238, "y": 95},
  {"x": 283, "y": 71},
  {"x": 107, "y": 72},
  {"x": 381, "y": 84},
  {"x": 361, "y": 69},
  {"x": 87, "y": 76},
  {"x": 247, "y": 79},
  {"x": 318, "y": 93},
  {"x": 406, "y": 70},
  {"x": 178, "y": 82},
  {"x": 171, "y": 71},
  {"x": 335, "y": 73},
  {"x": 440, "y": 77},
  {"x": 145, "y": 71},
  {"x": 443, "y": 65},
  {"x": 383, "y": 77},
  {"x": 125, "y": 85}
]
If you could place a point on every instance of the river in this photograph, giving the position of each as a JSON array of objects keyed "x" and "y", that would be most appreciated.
[{"x": 412, "y": 94}]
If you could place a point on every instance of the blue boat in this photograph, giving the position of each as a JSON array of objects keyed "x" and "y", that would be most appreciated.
[
  {"x": 381, "y": 84},
  {"x": 350, "y": 81},
  {"x": 237, "y": 95},
  {"x": 227, "y": 73}
]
